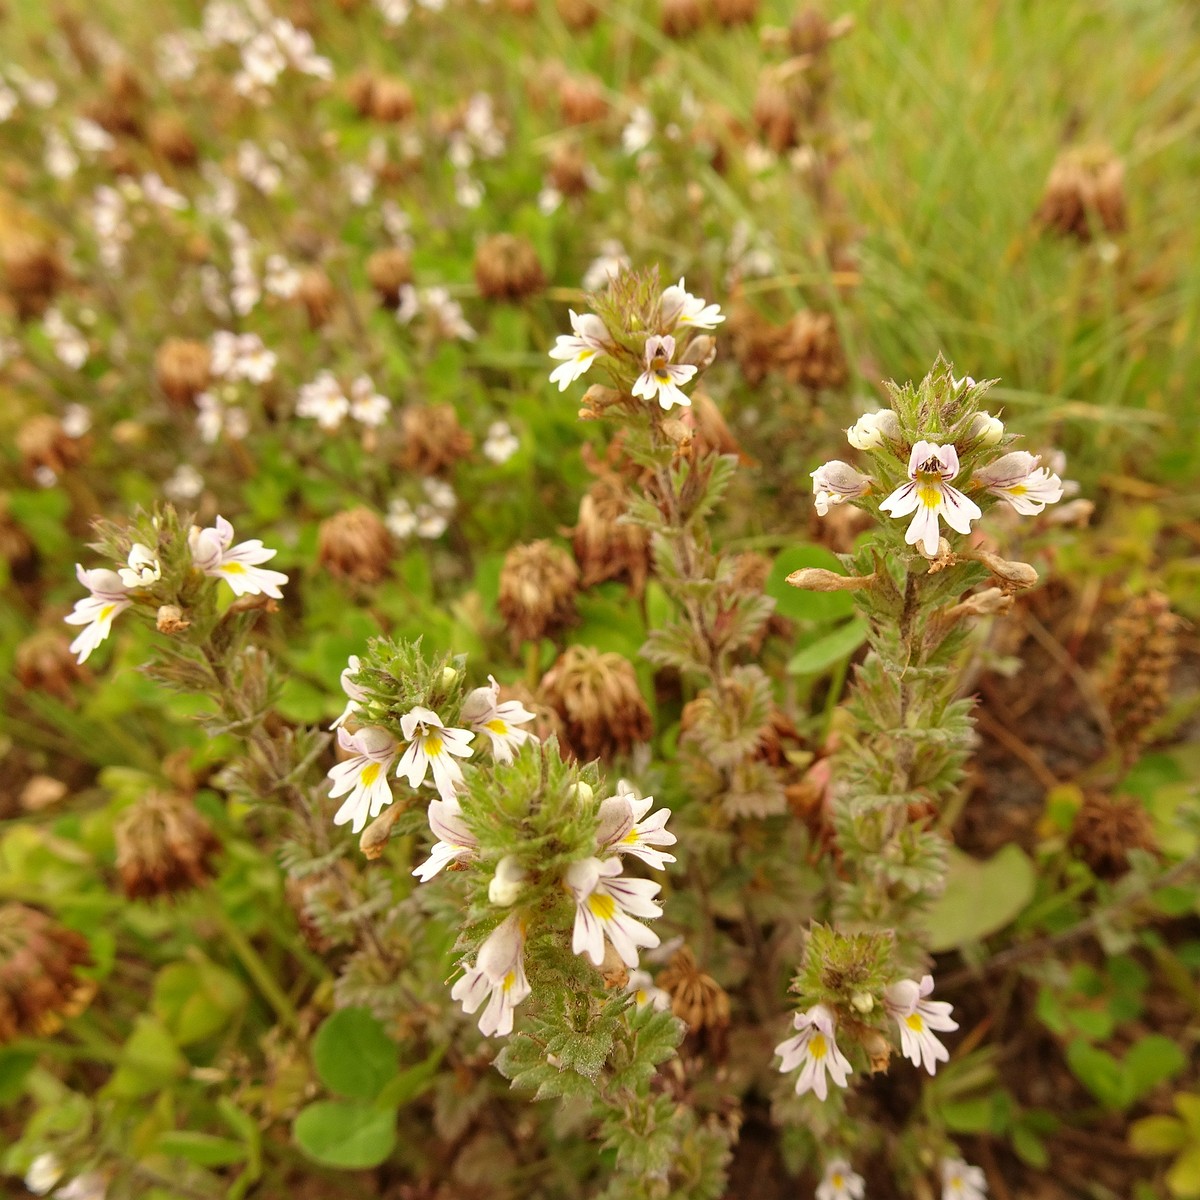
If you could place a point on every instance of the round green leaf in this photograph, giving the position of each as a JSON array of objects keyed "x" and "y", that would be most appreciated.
[
  {"x": 981, "y": 897},
  {"x": 1158, "y": 1135},
  {"x": 353, "y": 1054},
  {"x": 346, "y": 1133},
  {"x": 799, "y": 605}
]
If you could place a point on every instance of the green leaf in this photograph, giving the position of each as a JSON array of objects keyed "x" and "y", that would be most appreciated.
[
  {"x": 1187, "y": 1105},
  {"x": 1100, "y": 1073},
  {"x": 149, "y": 1061},
  {"x": 196, "y": 999},
  {"x": 981, "y": 897},
  {"x": 204, "y": 1149},
  {"x": 826, "y": 651},
  {"x": 353, "y": 1054},
  {"x": 968, "y": 1116},
  {"x": 412, "y": 1082},
  {"x": 352, "y": 1134},
  {"x": 799, "y": 605},
  {"x": 1150, "y": 1061},
  {"x": 15, "y": 1066},
  {"x": 1184, "y": 1177},
  {"x": 1030, "y": 1148},
  {"x": 1158, "y": 1135}
]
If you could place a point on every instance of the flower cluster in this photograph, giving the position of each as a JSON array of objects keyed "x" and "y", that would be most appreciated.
[{"x": 325, "y": 401}]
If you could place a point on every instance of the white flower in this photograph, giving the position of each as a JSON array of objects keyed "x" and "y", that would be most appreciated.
[
  {"x": 364, "y": 775},
  {"x": 280, "y": 278},
  {"x": 986, "y": 429},
  {"x": 431, "y": 746},
  {"x": 961, "y": 384},
  {"x": 604, "y": 901},
  {"x": 355, "y": 695},
  {"x": 840, "y": 1182},
  {"x": 961, "y": 1181},
  {"x": 1017, "y": 478},
  {"x": 44, "y": 1172},
  {"x": 90, "y": 137},
  {"x": 323, "y": 401},
  {"x": 89, "y": 1186},
  {"x": 611, "y": 261},
  {"x": 638, "y": 131},
  {"x": 645, "y": 991},
  {"x": 143, "y": 568},
  {"x": 623, "y": 829},
  {"x": 917, "y": 1018},
  {"x": 155, "y": 191},
  {"x": 76, "y": 420},
  {"x": 500, "y": 444},
  {"x": 106, "y": 600},
  {"x": 59, "y": 156},
  {"x": 497, "y": 976},
  {"x": 484, "y": 712},
  {"x": 366, "y": 404},
  {"x": 835, "y": 482},
  {"x": 871, "y": 429},
  {"x": 400, "y": 520},
  {"x": 455, "y": 840},
  {"x": 70, "y": 345},
  {"x": 678, "y": 306},
  {"x": 507, "y": 882},
  {"x": 236, "y": 356},
  {"x": 214, "y": 554},
  {"x": 184, "y": 483},
  {"x": 814, "y": 1050},
  {"x": 929, "y": 494},
  {"x": 578, "y": 349},
  {"x": 661, "y": 378}
]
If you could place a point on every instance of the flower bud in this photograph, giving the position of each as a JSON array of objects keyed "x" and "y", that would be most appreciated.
[
  {"x": 449, "y": 675},
  {"x": 1018, "y": 575},
  {"x": 700, "y": 351},
  {"x": 507, "y": 882},
  {"x": 581, "y": 792},
  {"x": 872, "y": 430},
  {"x": 836, "y": 482},
  {"x": 817, "y": 579},
  {"x": 862, "y": 1002},
  {"x": 374, "y": 839},
  {"x": 986, "y": 429},
  {"x": 170, "y": 620}
]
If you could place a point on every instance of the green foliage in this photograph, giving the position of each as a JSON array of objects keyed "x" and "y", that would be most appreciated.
[{"x": 980, "y": 897}]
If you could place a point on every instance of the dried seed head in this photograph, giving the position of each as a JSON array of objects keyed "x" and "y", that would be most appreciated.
[
  {"x": 42, "y": 442},
  {"x": 355, "y": 545},
  {"x": 538, "y": 583},
  {"x": 16, "y": 546},
  {"x": 388, "y": 271},
  {"x": 39, "y": 986},
  {"x": 1106, "y": 828},
  {"x": 360, "y": 89},
  {"x": 44, "y": 663},
  {"x": 755, "y": 341},
  {"x": 170, "y": 620},
  {"x": 697, "y": 999},
  {"x": 507, "y": 268},
  {"x": 164, "y": 846},
  {"x": 170, "y": 139},
  {"x": 681, "y": 17},
  {"x": 183, "y": 369},
  {"x": 577, "y": 15},
  {"x": 306, "y": 895},
  {"x": 433, "y": 439},
  {"x": 735, "y": 12},
  {"x": 391, "y": 100},
  {"x": 33, "y": 273},
  {"x": 568, "y": 169},
  {"x": 605, "y": 546},
  {"x": 318, "y": 295},
  {"x": 581, "y": 100},
  {"x": 1138, "y": 685},
  {"x": 1014, "y": 576},
  {"x": 597, "y": 696},
  {"x": 776, "y": 109},
  {"x": 1085, "y": 191},
  {"x": 809, "y": 352}
]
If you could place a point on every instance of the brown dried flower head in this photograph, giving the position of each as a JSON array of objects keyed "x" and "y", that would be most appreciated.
[
  {"x": 597, "y": 696},
  {"x": 507, "y": 268},
  {"x": 538, "y": 583},
  {"x": 1085, "y": 192},
  {"x": 678, "y": 18},
  {"x": 568, "y": 169},
  {"x": 170, "y": 138},
  {"x": 39, "y": 985},
  {"x": 754, "y": 341},
  {"x": 811, "y": 32},
  {"x": 606, "y": 547},
  {"x": 44, "y": 663},
  {"x": 33, "y": 272},
  {"x": 183, "y": 369},
  {"x": 16, "y": 546},
  {"x": 317, "y": 294},
  {"x": 809, "y": 352},
  {"x": 1138, "y": 685},
  {"x": 355, "y": 544},
  {"x": 581, "y": 100},
  {"x": 735, "y": 12},
  {"x": 164, "y": 846},
  {"x": 433, "y": 439},
  {"x": 777, "y": 108},
  {"x": 1106, "y": 828},
  {"x": 360, "y": 89},
  {"x": 697, "y": 999},
  {"x": 388, "y": 270},
  {"x": 577, "y": 15},
  {"x": 42, "y": 442},
  {"x": 391, "y": 100}
]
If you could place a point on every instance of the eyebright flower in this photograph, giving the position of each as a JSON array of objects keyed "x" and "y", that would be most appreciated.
[
  {"x": 498, "y": 976},
  {"x": 678, "y": 307},
  {"x": 835, "y": 482},
  {"x": 814, "y": 1050},
  {"x": 323, "y": 401},
  {"x": 364, "y": 775},
  {"x": 507, "y": 882},
  {"x": 872, "y": 429},
  {"x": 603, "y": 903},
  {"x": 917, "y": 1018},
  {"x": 642, "y": 987},
  {"x": 368, "y": 406},
  {"x": 237, "y": 565},
  {"x": 455, "y": 840},
  {"x": 143, "y": 568},
  {"x": 840, "y": 1182},
  {"x": 500, "y": 444},
  {"x": 354, "y": 693},
  {"x": 430, "y": 746},
  {"x": 929, "y": 494},
  {"x": 106, "y": 600},
  {"x": 961, "y": 1181},
  {"x": 661, "y": 378},
  {"x": 578, "y": 349},
  {"x": 483, "y": 711},
  {"x": 1017, "y": 478},
  {"x": 623, "y": 830}
]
